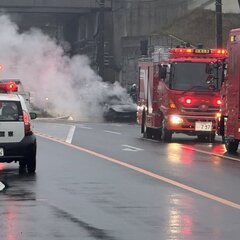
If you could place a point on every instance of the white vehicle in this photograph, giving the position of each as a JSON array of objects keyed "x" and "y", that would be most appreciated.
[{"x": 17, "y": 140}]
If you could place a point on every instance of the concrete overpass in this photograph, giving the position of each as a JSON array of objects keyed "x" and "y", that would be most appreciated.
[
  {"x": 52, "y": 6},
  {"x": 78, "y": 22}
]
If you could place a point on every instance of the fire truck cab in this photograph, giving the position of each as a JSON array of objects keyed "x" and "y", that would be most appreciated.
[
  {"x": 229, "y": 122},
  {"x": 179, "y": 92}
]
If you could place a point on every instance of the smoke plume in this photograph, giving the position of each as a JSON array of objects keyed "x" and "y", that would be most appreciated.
[{"x": 57, "y": 82}]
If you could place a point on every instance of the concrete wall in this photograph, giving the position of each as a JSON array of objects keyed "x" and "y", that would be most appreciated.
[
  {"x": 136, "y": 20},
  {"x": 228, "y": 6}
]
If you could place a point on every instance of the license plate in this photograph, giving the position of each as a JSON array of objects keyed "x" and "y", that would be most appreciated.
[
  {"x": 1, "y": 152},
  {"x": 203, "y": 126}
]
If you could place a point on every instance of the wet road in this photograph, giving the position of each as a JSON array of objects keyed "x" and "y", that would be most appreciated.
[{"x": 103, "y": 181}]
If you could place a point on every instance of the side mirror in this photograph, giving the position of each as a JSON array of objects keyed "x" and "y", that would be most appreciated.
[{"x": 33, "y": 115}]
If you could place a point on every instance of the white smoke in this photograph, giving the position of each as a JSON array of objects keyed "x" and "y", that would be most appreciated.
[{"x": 66, "y": 85}]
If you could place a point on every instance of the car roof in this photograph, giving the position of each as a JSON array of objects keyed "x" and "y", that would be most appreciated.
[{"x": 10, "y": 97}]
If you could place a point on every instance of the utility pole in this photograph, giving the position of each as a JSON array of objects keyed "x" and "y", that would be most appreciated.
[
  {"x": 219, "y": 40},
  {"x": 100, "y": 47}
]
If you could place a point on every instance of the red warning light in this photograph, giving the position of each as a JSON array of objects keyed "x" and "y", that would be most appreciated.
[
  {"x": 219, "y": 51},
  {"x": 188, "y": 100},
  {"x": 8, "y": 87},
  {"x": 219, "y": 102}
]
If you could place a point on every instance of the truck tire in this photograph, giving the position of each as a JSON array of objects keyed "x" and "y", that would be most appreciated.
[
  {"x": 148, "y": 133},
  {"x": 231, "y": 145},
  {"x": 166, "y": 134},
  {"x": 157, "y": 134},
  {"x": 143, "y": 123}
]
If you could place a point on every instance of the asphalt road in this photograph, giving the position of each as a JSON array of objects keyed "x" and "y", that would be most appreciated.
[{"x": 104, "y": 181}]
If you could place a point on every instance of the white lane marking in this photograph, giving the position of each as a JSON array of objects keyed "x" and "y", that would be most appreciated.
[
  {"x": 70, "y": 134},
  {"x": 2, "y": 186},
  {"x": 118, "y": 133},
  {"x": 131, "y": 148},
  {"x": 151, "y": 174}
]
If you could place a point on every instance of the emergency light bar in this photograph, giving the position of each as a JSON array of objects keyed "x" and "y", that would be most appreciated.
[
  {"x": 181, "y": 50},
  {"x": 188, "y": 51},
  {"x": 8, "y": 87}
]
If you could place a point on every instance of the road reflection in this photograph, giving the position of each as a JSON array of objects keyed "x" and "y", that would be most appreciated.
[
  {"x": 180, "y": 222},
  {"x": 178, "y": 154},
  {"x": 20, "y": 189},
  {"x": 2, "y": 166},
  {"x": 11, "y": 222}
]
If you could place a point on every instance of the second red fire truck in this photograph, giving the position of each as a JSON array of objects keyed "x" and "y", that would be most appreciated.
[
  {"x": 179, "y": 92},
  {"x": 229, "y": 124}
]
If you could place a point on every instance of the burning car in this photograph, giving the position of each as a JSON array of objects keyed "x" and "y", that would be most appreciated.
[{"x": 117, "y": 108}]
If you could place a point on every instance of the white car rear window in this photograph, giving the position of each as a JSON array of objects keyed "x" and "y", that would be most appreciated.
[{"x": 10, "y": 111}]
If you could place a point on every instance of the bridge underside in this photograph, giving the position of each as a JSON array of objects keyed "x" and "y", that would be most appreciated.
[{"x": 52, "y": 6}]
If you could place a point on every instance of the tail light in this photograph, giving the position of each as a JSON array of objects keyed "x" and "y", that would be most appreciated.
[{"x": 27, "y": 125}]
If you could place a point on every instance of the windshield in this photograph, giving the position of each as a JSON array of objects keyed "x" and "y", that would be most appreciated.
[{"x": 188, "y": 76}]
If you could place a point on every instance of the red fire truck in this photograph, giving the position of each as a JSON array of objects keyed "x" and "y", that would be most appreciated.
[
  {"x": 179, "y": 92},
  {"x": 229, "y": 124}
]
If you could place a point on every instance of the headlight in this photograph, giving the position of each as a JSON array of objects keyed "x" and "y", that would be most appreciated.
[
  {"x": 176, "y": 119},
  {"x": 140, "y": 108},
  {"x": 218, "y": 115}
]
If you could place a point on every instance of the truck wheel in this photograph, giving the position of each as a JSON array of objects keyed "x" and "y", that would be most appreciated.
[
  {"x": 157, "y": 134},
  {"x": 148, "y": 133},
  {"x": 231, "y": 145},
  {"x": 143, "y": 123},
  {"x": 166, "y": 134}
]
